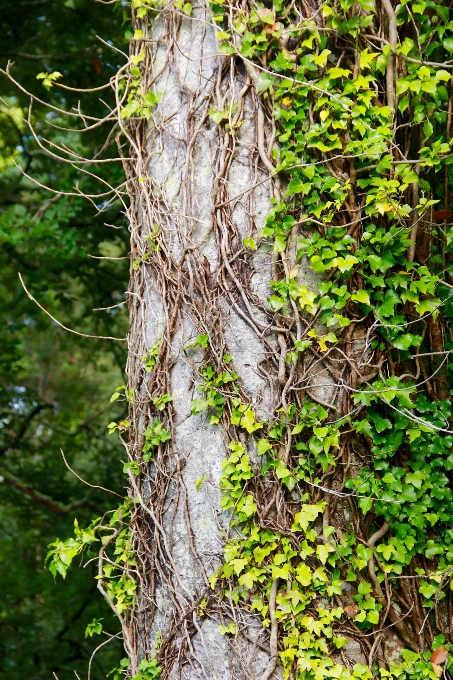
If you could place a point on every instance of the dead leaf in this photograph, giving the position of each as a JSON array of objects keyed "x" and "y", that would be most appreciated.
[
  {"x": 438, "y": 670},
  {"x": 293, "y": 271},
  {"x": 266, "y": 15},
  {"x": 272, "y": 28},
  {"x": 351, "y": 610},
  {"x": 439, "y": 655}
]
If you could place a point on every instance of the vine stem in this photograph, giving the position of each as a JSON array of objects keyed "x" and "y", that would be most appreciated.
[
  {"x": 400, "y": 626},
  {"x": 83, "y": 335},
  {"x": 274, "y": 633},
  {"x": 393, "y": 39}
]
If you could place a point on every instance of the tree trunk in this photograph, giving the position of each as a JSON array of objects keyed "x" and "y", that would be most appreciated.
[
  {"x": 304, "y": 548},
  {"x": 197, "y": 189}
]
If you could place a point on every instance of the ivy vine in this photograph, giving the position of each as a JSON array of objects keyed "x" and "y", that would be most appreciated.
[{"x": 361, "y": 96}]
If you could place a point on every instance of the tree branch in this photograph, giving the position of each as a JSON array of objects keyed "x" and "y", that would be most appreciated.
[{"x": 56, "y": 507}]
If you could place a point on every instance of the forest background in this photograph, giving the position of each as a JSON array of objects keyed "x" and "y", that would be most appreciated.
[{"x": 55, "y": 387}]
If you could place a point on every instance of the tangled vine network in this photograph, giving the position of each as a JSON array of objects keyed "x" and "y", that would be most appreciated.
[{"x": 288, "y": 172}]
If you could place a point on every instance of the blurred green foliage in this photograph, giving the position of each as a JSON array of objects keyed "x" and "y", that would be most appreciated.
[{"x": 55, "y": 386}]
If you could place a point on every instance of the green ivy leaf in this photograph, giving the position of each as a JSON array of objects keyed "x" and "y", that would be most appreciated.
[
  {"x": 361, "y": 296},
  {"x": 307, "y": 515}
]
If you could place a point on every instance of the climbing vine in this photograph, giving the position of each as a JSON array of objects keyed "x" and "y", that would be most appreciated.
[
  {"x": 339, "y": 503},
  {"x": 362, "y": 99}
]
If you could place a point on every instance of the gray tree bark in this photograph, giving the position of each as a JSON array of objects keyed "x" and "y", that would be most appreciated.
[{"x": 198, "y": 189}]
